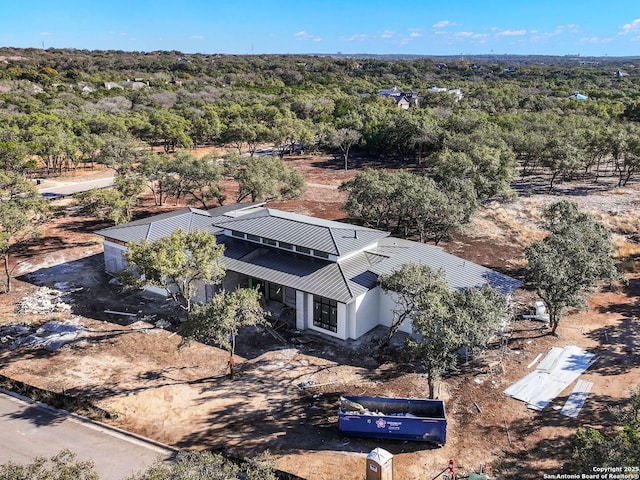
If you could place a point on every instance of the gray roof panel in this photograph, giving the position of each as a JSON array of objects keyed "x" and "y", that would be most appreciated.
[
  {"x": 375, "y": 252},
  {"x": 317, "y": 234},
  {"x": 459, "y": 273},
  {"x": 311, "y": 275}
]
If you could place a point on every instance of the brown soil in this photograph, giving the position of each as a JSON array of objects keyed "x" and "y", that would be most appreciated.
[{"x": 284, "y": 396}]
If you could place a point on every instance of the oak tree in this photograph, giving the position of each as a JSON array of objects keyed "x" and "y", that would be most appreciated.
[
  {"x": 572, "y": 259},
  {"x": 178, "y": 263}
]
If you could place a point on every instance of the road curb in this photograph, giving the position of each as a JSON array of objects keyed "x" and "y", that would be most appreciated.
[{"x": 108, "y": 429}]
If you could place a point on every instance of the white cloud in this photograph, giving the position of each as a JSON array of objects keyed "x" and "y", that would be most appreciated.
[
  {"x": 415, "y": 34},
  {"x": 596, "y": 40},
  {"x": 444, "y": 24},
  {"x": 45, "y": 34},
  {"x": 302, "y": 35},
  {"x": 463, "y": 34},
  {"x": 512, "y": 33},
  {"x": 197, "y": 37},
  {"x": 632, "y": 27},
  {"x": 387, "y": 34},
  {"x": 357, "y": 36}
]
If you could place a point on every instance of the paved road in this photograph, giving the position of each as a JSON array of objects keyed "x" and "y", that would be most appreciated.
[
  {"x": 29, "y": 430},
  {"x": 68, "y": 188}
]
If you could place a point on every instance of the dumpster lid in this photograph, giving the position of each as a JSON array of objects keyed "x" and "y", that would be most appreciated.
[{"x": 380, "y": 455}]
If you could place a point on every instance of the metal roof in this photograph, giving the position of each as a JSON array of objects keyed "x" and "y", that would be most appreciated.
[
  {"x": 323, "y": 235},
  {"x": 554, "y": 373},
  {"x": 371, "y": 252},
  {"x": 459, "y": 273},
  {"x": 308, "y": 274},
  {"x": 162, "y": 225}
]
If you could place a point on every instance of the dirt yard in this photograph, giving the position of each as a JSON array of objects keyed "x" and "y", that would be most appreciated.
[{"x": 284, "y": 396}]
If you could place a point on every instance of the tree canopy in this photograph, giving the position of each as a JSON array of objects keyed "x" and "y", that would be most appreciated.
[
  {"x": 220, "y": 320},
  {"x": 187, "y": 466},
  {"x": 60, "y": 108},
  {"x": 21, "y": 212},
  {"x": 443, "y": 320},
  {"x": 592, "y": 447},
  {"x": 178, "y": 263},
  {"x": 410, "y": 204},
  {"x": 574, "y": 256}
]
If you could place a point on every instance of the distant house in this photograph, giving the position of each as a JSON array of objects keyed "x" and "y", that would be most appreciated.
[
  {"x": 112, "y": 85},
  {"x": 578, "y": 96},
  {"x": 326, "y": 271},
  {"x": 404, "y": 100},
  {"x": 136, "y": 84},
  {"x": 451, "y": 91},
  {"x": 620, "y": 73}
]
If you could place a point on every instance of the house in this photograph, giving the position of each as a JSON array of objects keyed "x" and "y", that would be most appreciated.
[
  {"x": 578, "y": 96},
  {"x": 112, "y": 85},
  {"x": 135, "y": 84},
  {"x": 404, "y": 100},
  {"x": 457, "y": 92},
  {"x": 325, "y": 270}
]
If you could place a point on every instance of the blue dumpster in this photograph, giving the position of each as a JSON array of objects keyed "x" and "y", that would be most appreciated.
[{"x": 393, "y": 418}]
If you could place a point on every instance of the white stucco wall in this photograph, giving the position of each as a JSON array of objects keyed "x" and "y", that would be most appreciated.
[
  {"x": 386, "y": 306},
  {"x": 114, "y": 260},
  {"x": 365, "y": 313},
  {"x": 301, "y": 310}
]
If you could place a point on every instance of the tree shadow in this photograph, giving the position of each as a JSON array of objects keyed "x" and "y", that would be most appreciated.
[
  {"x": 629, "y": 308},
  {"x": 359, "y": 162},
  {"x": 48, "y": 245},
  {"x": 618, "y": 349},
  {"x": 302, "y": 421},
  {"x": 36, "y": 415},
  {"x": 524, "y": 458}
]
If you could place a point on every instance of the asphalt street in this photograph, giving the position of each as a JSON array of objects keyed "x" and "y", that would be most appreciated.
[
  {"x": 71, "y": 187},
  {"x": 29, "y": 430}
]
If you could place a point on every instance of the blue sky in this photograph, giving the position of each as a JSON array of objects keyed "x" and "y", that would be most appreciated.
[{"x": 426, "y": 27}]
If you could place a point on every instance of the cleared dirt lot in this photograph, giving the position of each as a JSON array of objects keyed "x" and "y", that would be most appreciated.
[{"x": 284, "y": 397}]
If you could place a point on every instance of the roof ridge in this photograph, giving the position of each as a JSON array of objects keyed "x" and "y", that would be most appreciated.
[
  {"x": 333, "y": 239},
  {"x": 346, "y": 281},
  {"x": 146, "y": 235},
  {"x": 190, "y": 221}
]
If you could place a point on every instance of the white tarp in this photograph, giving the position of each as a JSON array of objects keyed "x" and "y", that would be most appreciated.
[
  {"x": 577, "y": 398},
  {"x": 554, "y": 373}
]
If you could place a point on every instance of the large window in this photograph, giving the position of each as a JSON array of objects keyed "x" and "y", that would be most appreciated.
[{"x": 325, "y": 313}]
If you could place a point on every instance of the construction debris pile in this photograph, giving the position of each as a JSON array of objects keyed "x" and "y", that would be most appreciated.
[
  {"x": 553, "y": 374},
  {"x": 46, "y": 300},
  {"x": 51, "y": 335},
  {"x": 349, "y": 407}
]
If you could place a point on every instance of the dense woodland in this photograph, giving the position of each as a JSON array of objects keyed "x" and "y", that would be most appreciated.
[
  {"x": 61, "y": 110},
  {"x": 58, "y": 108}
]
